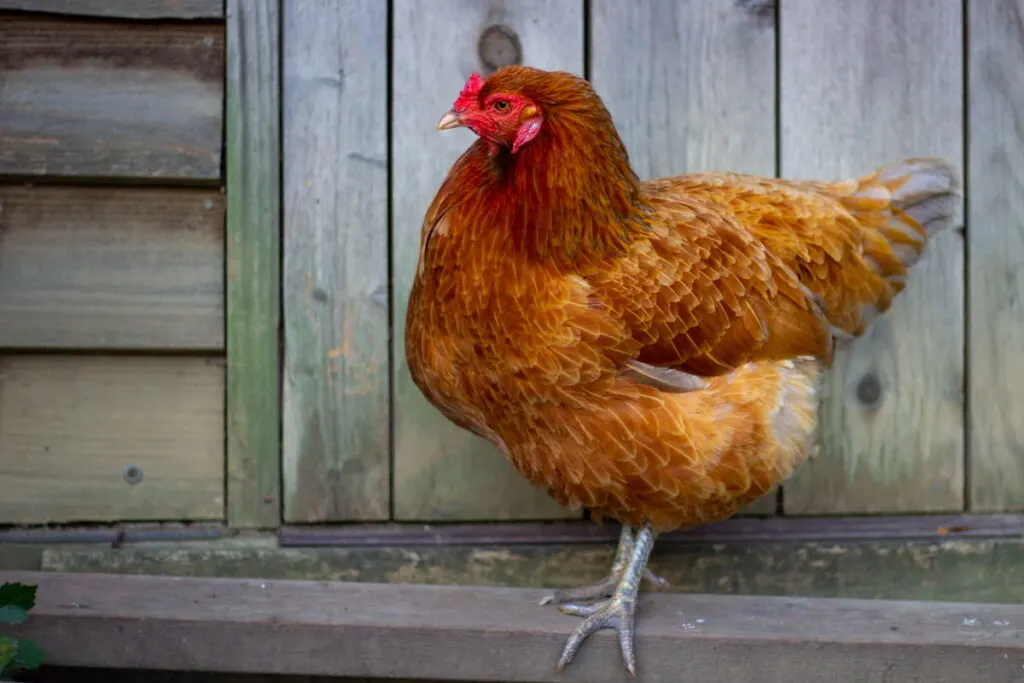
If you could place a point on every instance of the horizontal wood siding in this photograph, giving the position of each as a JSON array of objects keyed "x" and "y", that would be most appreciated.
[
  {"x": 126, "y": 101},
  {"x": 111, "y": 268},
  {"x": 123, "y": 9},
  {"x": 112, "y": 261},
  {"x": 70, "y": 427}
]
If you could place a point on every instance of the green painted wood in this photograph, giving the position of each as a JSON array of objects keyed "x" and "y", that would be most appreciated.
[{"x": 253, "y": 263}]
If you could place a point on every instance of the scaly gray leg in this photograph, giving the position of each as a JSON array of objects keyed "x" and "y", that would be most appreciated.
[
  {"x": 605, "y": 587},
  {"x": 618, "y": 611}
]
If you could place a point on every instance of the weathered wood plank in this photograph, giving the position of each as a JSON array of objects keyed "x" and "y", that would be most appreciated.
[
  {"x": 695, "y": 91},
  {"x": 996, "y": 249},
  {"x": 111, "y": 268},
  {"x": 862, "y": 84},
  {"x": 111, "y": 100},
  {"x": 961, "y": 570},
  {"x": 74, "y": 674},
  {"x": 658, "y": 91},
  {"x": 254, "y": 263},
  {"x": 123, "y": 9},
  {"x": 136, "y": 623},
  {"x": 121, "y": 532},
  {"x": 817, "y": 529},
  {"x": 21, "y": 556},
  {"x": 71, "y": 428},
  {"x": 442, "y": 471},
  {"x": 336, "y": 400}
]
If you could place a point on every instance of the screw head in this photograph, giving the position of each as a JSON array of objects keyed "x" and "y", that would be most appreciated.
[{"x": 132, "y": 474}]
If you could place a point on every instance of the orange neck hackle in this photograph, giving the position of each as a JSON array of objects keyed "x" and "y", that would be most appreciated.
[{"x": 569, "y": 196}]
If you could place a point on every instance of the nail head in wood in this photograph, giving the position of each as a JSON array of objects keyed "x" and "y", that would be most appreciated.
[{"x": 132, "y": 474}]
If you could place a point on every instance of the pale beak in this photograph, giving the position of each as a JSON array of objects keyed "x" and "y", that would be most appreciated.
[{"x": 449, "y": 120}]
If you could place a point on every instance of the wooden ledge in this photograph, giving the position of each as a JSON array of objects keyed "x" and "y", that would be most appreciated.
[{"x": 501, "y": 634}]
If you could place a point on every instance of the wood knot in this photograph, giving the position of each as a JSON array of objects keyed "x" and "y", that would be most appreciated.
[
  {"x": 762, "y": 10},
  {"x": 869, "y": 390},
  {"x": 499, "y": 46}
]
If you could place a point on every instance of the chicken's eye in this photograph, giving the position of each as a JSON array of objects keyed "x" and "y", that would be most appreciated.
[{"x": 501, "y": 105}]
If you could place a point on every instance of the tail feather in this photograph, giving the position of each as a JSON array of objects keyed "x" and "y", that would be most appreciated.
[
  {"x": 908, "y": 203},
  {"x": 901, "y": 207}
]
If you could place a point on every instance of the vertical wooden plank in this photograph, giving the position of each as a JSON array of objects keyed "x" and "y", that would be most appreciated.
[
  {"x": 441, "y": 471},
  {"x": 996, "y": 253},
  {"x": 866, "y": 82},
  {"x": 253, "y": 257},
  {"x": 336, "y": 403},
  {"x": 693, "y": 91}
]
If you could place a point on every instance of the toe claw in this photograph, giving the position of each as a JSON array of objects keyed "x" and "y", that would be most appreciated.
[
  {"x": 626, "y": 647},
  {"x": 616, "y": 613},
  {"x": 654, "y": 579},
  {"x": 574, "y": 609},
  {"x": 604, "y": 589}
]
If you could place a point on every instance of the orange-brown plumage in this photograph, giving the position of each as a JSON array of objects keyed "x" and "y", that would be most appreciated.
[
  {"x": 545, "y": 276},
  {"x": 647, "y": 349}
]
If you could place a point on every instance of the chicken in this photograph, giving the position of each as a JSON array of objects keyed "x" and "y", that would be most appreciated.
[{"x": 649, "y": 350}]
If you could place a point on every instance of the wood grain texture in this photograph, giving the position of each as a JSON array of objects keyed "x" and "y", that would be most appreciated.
[
  {"x": 71, "y": 425},
  {"x": 862, "y": 84},
  {"x": 407, "y": 631},
  {"x": 929, "y": 527},
  {"x": 123, "y": 9},
  {"x": 336, "y": 394},
  {"x": 254, "y": 263},
  {"x": 957, "y": 570},
  {"x": 695, "y": 91},
  {"x": 996, "y": 248},
  {"x": 442, "y": 471},
  {"x": 111, "y": 268},
  {"x": 111, "y": 100}
]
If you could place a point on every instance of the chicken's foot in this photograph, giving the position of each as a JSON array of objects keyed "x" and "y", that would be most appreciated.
[
  {"x": 617, "y": 611},
  {"x": 606, "y": 587}
]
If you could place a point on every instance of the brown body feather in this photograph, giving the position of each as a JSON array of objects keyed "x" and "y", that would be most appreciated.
[{"x": 556, "y": 293}]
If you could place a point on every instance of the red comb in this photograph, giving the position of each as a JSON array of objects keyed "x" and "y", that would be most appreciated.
[{"x": 468, "y": 94}]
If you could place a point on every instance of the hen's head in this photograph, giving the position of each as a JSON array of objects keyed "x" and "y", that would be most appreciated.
[{"x": 512, "y": 107}]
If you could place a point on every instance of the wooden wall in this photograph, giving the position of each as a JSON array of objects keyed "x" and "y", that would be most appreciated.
[
  {"x": 330, "y": 158},
  {"x": 111, "y": 261}
]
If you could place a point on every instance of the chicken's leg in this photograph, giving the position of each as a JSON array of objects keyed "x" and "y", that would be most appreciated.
[
  {"x": 618, "y": 610},
  {"x": 606, "y": 587}
]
